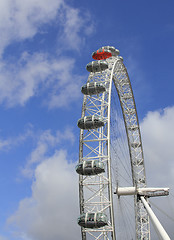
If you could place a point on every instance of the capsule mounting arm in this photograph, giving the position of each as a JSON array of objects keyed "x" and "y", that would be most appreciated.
[{"x": 147, "y": 192}]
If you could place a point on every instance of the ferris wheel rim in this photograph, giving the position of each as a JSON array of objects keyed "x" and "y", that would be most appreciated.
[
  {"x": 135, "y": 182},
  {"x": 126, "y": 126},
  {"x": 116, "y": 60}
]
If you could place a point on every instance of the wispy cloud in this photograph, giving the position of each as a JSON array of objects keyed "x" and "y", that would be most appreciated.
[
  {"x": 46, "y": 144},
  {"x": 32, "y": 74},
  {"x": 8, "y": 143},
  {"x": 76, "y": 25},
  {"x": 23, "y": 78},
  {"x": 20, "y": 20}
]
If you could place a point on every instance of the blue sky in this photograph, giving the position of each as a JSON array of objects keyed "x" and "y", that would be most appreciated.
[{"x": 44, "y": 48}]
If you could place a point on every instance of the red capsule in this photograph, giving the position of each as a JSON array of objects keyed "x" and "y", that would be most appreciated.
[{"x": 101, "y": 54}]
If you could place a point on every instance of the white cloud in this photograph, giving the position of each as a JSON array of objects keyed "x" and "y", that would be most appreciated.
[
  {"x": 27, "y": 76},
  {"x": 75, "y": 25},
  {"x": 20, "y": 19},
  {"x": 46, "y": 143},
  {"x": 8, "y": 143},
  {"x": 68, "y": 94},
  {"x": 158, "y": 138},
  {"x": 52, "y": 210},
  {"x": 34, "y": 74},
  {"x": 53, "y": 206}
]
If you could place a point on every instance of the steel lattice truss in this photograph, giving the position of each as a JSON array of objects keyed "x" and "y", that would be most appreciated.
[{"x": 96, "y": 191}]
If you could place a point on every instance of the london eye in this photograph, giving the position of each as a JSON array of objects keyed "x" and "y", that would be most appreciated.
[{"x": 113, "y": 193}]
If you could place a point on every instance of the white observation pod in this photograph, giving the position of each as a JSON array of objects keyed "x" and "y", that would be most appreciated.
[
  {"x": 90, "y": 122},
  {"x": 97, "y": 66},
  {"x": 93, "y": 88}
]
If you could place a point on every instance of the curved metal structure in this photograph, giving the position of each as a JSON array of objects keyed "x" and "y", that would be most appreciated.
[{"x": 96, "y": 191}]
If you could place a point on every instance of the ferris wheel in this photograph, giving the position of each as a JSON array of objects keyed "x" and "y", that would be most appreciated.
[{"x": 113, "y": 193}]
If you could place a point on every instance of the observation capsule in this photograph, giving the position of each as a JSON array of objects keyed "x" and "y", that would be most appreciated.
[
  {"x": 92, "y": 167},
  {"x": 115, "y": 52},
  {"x": 90, "y": 122},
  {"x": 92, "y": 220},
  {"x": 101, "y": 54},
  {"x": 97, "y": 66},
  {"x": 93, "y": 88},
  {"x": 121, "y": 58}
]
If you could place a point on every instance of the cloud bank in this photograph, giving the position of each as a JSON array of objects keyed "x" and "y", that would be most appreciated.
[
  {"x": 158, "y": 138},
  {"x": 52, "y": 210}
]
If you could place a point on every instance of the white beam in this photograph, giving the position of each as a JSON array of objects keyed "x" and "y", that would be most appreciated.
[
  {"x": 150, "y": 192},
  {"x": 157, "y": 225}
]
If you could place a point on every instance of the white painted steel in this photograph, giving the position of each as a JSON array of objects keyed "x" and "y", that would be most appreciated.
[
  {"x": 95, "y": 192},
  {"x": 156, "y": 223},
  {"x": 124, "y": 191},
  {"x": 152, "y": 192}
]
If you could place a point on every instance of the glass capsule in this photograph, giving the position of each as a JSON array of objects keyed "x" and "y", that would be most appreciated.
[
  {"x": 92, "y": 167},
  {"x": 90, "y": 122},
  {"x": 97, "y": 66},
  {"x": 115, "y": 52},
  {"x": 93, "y": 88},
  {"x": 101, "y": 54},
  {"x": 92, "y": 220}
]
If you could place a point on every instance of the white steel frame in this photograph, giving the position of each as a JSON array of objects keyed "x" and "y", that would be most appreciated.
[{"x": 95, "y": 192}]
